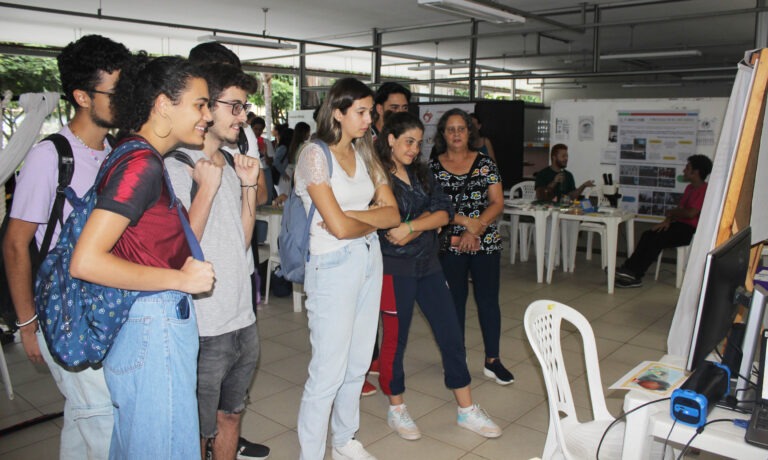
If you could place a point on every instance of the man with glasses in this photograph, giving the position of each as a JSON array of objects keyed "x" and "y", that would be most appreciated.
[
  {"x": 222, "y": 210},
  {"x": 89, "y": 69}
]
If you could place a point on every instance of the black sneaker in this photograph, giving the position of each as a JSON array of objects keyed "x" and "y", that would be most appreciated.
[
  {"x": 497, "y": 371},
  {"x": 624, "y": 274},
  {"x": 628, "y": 283},
  {"x": 247, "y": 450}
]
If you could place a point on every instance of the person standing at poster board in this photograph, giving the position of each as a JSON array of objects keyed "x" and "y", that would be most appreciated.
[
  {"x": 676, "y": 230},
  {"x": 555, "y": 181}
]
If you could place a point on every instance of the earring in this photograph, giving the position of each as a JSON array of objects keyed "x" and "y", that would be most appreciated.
[{"x": 170, "y": 126}]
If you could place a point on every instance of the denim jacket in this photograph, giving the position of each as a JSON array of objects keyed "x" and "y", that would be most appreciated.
[{"x": 418, "y": 257}]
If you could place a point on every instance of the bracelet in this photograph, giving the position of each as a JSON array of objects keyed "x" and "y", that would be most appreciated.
[
  {"x": 409, "y": 226},
  {"x": 28, "y": 322},
  {"x": 249, "y": 186}
]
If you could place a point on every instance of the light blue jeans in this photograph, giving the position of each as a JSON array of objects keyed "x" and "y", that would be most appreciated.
[
  {"x": 87, "y": 409},
  {"x": 343, "y": 290},
  {"x": 151, "y": 372}
]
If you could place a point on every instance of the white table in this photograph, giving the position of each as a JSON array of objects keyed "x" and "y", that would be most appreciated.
[
  {"x": 539, "y": 214},
  {"x": 611, "y": 222},
  {"x": 274, "y": 217},
  {"x": 651, "y": 424}
]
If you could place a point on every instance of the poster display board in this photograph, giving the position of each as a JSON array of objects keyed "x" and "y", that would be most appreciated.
[{"x": 653, "y": 148}]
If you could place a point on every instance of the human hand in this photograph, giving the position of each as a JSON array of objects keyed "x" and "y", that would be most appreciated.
[
  {"x": 278, "y": 202},
  {"x": 474, "y": 226},
  {"x": 198, "y": 276},
  {"x": 559, "y": 177},
  {"x": 395, "y": 235},
  {"x": 247, "y": 169},
  {"x": 589, "y": 183},
  {"x": 468, "y": 242},
  {"x": 662, "y": 226},
  {"x": 207, "y": 175},
  {"x": 30, "y": 344}
]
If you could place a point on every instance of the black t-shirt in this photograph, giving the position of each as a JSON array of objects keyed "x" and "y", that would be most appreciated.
[{"x": 547, "y": 175}]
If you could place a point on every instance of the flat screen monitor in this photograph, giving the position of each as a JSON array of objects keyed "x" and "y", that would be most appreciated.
[{"x": 724, "y": 272}]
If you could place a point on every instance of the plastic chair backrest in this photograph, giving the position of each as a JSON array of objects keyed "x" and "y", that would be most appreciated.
[
  {"x": 526, "y": 188},
  {"x": 542, "y": 322},
  {"x": 602, "y": 201}
]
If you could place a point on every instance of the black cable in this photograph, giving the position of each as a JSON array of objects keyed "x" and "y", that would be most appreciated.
[
  {"x": 616, "y": 420},
  {"x": 666, "y": 441},
  {"x": 699, "y": 430}
]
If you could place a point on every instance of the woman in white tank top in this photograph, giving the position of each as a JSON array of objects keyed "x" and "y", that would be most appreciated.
[{"x": 344, "y": 273}]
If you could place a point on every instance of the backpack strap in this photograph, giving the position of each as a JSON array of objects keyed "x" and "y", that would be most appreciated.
[
  {"x": 228, "y": 157},
  {"x": 66, "y": 165},
  {"x": 184, "y": 158},
  {"x": 311, "y": 214}
]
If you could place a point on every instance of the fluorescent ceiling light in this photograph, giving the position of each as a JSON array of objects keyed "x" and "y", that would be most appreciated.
[
  {"x": 650, "y": 85},
  {"x": 651, "y": 54},
  {"x": 247, "y": 42},
  {"x": 563, "y": 85},
  {"x": 457, "y": 65},
  {"x": 709, "y": 77},
  {"x": 473, "y": 9}
]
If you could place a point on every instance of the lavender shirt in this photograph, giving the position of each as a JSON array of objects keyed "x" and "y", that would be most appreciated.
[{"x": 36, "y": 183}]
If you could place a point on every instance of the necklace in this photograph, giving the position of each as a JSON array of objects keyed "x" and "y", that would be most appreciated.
[{"x": 93, "y": 154}]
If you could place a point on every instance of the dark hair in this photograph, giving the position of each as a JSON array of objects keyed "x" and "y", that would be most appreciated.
[
  {"x": 213, "y": 53},
  {"x": 702, "y": 164},
  {"x": 556, "y": 148},
  {"x": 257, "y": 121},
  {"x": 390, "y": 87},
  {"x": 475, "y": 117},
  {"x": 286, "y": 135},
  {"x": 142, "y": 80},
  {"x": 341, "y": 96},
  {"x": 440, "y": 145},
  {"x": 81, "y": 60},
  {"x": 223, "y": 76},
  {"x": 397, "y": 124},
  {"x": 300, "y": 134}
]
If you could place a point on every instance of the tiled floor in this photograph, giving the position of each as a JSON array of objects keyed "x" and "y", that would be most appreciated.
[{"x": 630, "y": 326}]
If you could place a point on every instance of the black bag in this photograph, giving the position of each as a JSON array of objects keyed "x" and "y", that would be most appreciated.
[
  {"x": 66, "y": 169},
  {"x": 280, "y": 286}
]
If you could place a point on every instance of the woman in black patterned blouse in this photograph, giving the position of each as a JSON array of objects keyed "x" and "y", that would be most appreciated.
[{"x": 472, "y": 243}]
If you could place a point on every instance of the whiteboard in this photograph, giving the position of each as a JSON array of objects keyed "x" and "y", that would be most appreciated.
[{"x": 584, "y": 125}]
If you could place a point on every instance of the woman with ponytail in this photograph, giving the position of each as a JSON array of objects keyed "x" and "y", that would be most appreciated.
[
  {"x": 343, "y": 276},
  {"x": 135, "y": 239}
]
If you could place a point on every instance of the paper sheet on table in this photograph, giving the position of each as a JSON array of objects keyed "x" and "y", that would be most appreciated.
[{"x": 652, "y": 377}]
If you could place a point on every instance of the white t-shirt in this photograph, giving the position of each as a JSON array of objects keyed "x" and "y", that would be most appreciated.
[
  {"x": 253, "y": 144},
  {"x": 352, "y": 193}
]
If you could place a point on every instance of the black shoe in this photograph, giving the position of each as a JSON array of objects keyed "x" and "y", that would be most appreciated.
[
  {"x": 497, "y": 371},
  {"x": 628, "y": 283},
  {"x": 624, "y": 274},
  {"x": 247, "y": 450}
]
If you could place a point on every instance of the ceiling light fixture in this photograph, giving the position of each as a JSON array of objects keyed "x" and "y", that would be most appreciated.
[
  {"x": 457, "y": 65},
  {"x": 473, "y": 9},
  {"x": 651, "y": 54},
  {"x": 650, "y": 85},
  {"x": 247, "y": 42},
  {"x": 709, "y": 77},
  {"x": 563, "y": 86}
]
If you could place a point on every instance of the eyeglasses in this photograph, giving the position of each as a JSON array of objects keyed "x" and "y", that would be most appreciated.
[
  {"x": 237, "y": 107},
  {"x": 455, "y": 129},
  {"x": 108, "y": 93}
]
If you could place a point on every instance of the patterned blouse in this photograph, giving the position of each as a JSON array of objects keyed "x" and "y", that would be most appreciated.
[{"x": 472, "y": 203}]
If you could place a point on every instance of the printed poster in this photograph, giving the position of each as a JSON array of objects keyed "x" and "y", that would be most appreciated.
[{"x": 656, "y": 378}]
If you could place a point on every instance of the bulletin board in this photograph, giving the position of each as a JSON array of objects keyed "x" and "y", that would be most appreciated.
[{"x": 590, "y": 129}]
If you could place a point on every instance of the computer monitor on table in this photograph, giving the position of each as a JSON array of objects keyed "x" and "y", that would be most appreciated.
[{"x": 724, "y": 273}]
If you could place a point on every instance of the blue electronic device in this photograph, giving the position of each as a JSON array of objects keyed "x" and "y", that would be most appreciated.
[{"x": 691, "y": 403}]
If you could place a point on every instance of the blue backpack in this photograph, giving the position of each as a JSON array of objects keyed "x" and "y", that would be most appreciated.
[
  {"x": 293, "y": 242},
  {"x": 80, "y": 320}
]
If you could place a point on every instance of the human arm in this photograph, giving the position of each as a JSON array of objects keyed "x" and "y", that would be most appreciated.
[
  {"x": 545, "y": 187},
  {"x": 680, "y": 213},
  {"x": 251, "y": 182},
  {"x": 93, "y": 261},
  {"x": 384, "y": 214},
  {"x": 404, "y": 233},
  {"x": 574, "y": 194},
  {"x": 18, "y": 270}
]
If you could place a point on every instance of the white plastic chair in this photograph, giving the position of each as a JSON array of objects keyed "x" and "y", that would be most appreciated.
[
  {"x": 567, "y": 437},
  {"x": 592, "y": 228},
  {"x": 682, "y": 262},
  {"x": 527, "y": 191}
]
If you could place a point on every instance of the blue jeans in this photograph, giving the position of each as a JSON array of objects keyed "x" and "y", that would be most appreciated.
[
  {"x": 87, "y": 409},
  {"x": 485, "y": 271},
  {"x": 343, "y": 289},
  {"x": 151, "y": 373}
]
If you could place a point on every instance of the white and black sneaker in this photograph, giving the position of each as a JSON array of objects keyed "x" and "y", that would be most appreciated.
[
  {"x": 247, "y": 450},
  {"x": 495, "y": 370},
  {"x": 624, "y": 274}
]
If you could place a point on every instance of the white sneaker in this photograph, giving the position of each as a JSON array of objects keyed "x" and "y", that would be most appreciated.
[
  {"x": 400, "y": 421},
  {"x": 477, "y": 420},
  {"x": 353, "y": 450}
]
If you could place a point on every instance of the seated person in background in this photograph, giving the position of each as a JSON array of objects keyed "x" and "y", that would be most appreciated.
[
  {"x": 554, "y": 181},
  {"x": 676, "y": 230}
]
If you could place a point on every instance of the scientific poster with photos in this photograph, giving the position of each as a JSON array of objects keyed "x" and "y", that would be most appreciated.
[{"x": 653, "y": 148}]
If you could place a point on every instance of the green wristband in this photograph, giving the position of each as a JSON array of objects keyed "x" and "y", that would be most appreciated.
[{"x": 409, "y": 226}]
